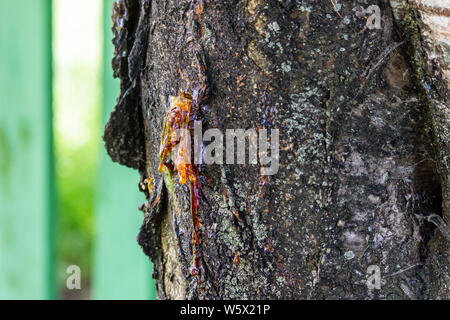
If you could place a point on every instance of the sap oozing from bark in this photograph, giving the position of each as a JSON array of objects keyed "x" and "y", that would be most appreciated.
[{"x": 176, "y": 156}]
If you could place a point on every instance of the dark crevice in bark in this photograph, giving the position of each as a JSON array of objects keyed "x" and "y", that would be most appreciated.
[{"x": 427, "y": 201}]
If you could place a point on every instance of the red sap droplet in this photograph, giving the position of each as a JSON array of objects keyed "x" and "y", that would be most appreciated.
[{"x": 236, "y": 258}]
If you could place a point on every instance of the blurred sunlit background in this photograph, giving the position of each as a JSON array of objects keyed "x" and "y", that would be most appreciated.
[{"x": 62, "y": 201}]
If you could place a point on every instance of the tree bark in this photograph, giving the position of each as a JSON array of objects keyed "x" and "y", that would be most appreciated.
[{"x": 363, "y": 118}]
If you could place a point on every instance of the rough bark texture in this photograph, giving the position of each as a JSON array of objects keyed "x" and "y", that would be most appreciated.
[{"x": 364, "y": 144}]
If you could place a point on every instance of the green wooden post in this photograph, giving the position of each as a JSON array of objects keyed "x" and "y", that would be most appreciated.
[
  {"x": 121, "y": 271},
  {"x": 26, "y": 154}
]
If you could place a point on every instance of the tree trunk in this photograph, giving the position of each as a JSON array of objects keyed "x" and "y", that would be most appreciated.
[{"x": 363, "y": 183}]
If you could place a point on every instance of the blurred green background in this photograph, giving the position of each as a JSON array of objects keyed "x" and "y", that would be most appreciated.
[{"x": 62, "y": 201}]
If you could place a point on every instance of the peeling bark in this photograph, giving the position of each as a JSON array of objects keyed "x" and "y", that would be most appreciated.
[{"x": 364, "y": 143}]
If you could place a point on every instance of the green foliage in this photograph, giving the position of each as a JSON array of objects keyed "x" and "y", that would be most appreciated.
[{"x": 77, "y": 105}]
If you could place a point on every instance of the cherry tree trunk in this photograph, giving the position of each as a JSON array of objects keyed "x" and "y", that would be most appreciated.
[{"x": 358, "y": 91}]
